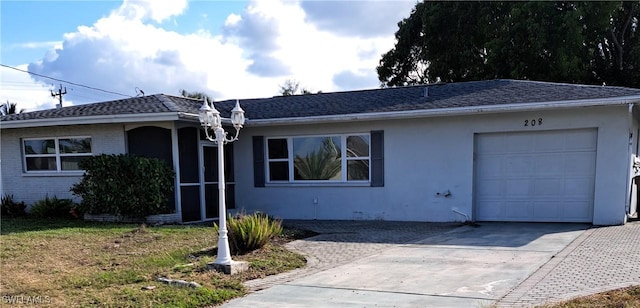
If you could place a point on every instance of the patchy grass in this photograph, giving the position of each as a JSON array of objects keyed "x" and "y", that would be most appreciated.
[
  {"x": 623, "y": 298},
  {"x": 67, "y": 263}
]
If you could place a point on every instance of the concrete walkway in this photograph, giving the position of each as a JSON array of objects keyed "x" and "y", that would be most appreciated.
[{"x": 395, "y": 264}]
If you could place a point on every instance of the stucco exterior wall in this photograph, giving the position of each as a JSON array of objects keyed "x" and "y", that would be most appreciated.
[
  {"x": 29, "y": 187},
  {"x": 424, "y": 157}
]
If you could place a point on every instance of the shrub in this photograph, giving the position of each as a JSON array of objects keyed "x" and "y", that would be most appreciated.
[
  {"x": 250, "y": 232},
  {"x": 52, "y": 208},
  {"x": 11, "y": 208},
  {"x": 124, "y": 185}
]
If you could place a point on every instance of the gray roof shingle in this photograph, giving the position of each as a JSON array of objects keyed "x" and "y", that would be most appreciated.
[
  {"x": 158, "y": 103},
  {"x": 452, "y": 95}
]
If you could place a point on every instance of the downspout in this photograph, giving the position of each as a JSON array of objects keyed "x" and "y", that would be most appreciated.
[{"x": 630, "y": 173}]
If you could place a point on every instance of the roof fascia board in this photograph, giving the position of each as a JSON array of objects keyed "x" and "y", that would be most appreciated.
[
  {"x": 447, "y": 111},
  {"x": 102, "y": 119}
]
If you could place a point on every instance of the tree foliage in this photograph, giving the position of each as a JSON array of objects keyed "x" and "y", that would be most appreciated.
[
  {"x": 576, "y": 42},
  {"x": 292, "y": 87},
  {"x": 10, "y": 108}
]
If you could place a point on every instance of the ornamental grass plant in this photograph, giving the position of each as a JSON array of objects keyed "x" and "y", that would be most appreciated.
[{"x": 248, "y": 232}]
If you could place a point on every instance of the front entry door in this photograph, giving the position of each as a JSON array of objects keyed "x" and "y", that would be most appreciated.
[{"x": 209, "y": 183}]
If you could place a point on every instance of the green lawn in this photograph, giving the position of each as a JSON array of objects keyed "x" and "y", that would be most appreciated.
[{"x": 74, "y": 264}]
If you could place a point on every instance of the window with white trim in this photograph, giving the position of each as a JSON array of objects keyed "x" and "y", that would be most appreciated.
[
  {"x": 329, "y": 158},
  {"x": 59, "y": 154}
]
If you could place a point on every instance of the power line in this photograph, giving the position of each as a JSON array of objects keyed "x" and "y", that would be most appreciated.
[{"x": 60, "y": 80}]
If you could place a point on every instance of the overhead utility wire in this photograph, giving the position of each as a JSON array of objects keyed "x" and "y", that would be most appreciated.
[{"x": 60, "y": 80}]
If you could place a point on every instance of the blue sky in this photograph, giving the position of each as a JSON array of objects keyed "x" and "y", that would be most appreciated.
[{"x": 228, "y": 49}]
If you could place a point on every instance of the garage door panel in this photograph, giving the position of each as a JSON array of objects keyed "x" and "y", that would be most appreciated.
[
  {"x": 535, "y": 176},
  {"x": 581, "y": 140},
  {"x": 580, "y": 164},
  {"x": 516, "y": 145},
  {"x": 548, "y": 164},
  {"x": 518, "y": 187},
  {"x": 548, "y": 188},
  {"x": 517, "y": 164},
  {"x": 490, "y": 167},
  {"x": 547, "y": 210},
  {"x": 579, "y": 187},
  {"x": 578, "y": 211},
  {"x": 491, "y": 144},
  {"x": 547, "y": 142},
  {"x": 491, "y": 209},
  {"x": 490, "y": 188},
  {"x": 518, "y": 210}
]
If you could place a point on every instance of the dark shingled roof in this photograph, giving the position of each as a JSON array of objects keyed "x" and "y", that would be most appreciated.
[
  {"x": 452, "y": 95},
  {"x": 158, "y": 103}
]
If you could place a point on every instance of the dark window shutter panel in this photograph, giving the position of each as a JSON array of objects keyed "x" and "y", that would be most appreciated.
[
  {"x": 258, "y": 161},
  {"x": 377, "y": 158}
]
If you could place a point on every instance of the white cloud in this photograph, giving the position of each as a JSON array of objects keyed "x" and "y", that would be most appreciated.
[
  {"x": 259, "y": 48},
  {"x": 157, "y": 10},
  {"x": 232, "y": 20},
  {"x": 358, "y": 18},
  {"x": 278, "y": 35},
  {"x": 19, "y": 88}
]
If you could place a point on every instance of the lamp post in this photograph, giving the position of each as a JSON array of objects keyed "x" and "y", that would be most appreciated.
[{"x": 210, "y": 120}]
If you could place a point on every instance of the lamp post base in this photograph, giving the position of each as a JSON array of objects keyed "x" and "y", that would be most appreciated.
[{"x": 229, "y": 269}]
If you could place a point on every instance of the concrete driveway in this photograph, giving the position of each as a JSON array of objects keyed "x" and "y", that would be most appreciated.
[{"x": 456, "y": 267}]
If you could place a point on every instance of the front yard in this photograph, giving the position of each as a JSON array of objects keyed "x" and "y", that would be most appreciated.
[{"x": 64, "y": 263}]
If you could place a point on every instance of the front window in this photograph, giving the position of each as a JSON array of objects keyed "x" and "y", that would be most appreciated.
[
  {"x": 337, "y": 158},
  {"x": 55, "y": 154}
]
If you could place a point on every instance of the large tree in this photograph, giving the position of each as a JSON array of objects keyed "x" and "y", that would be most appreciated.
[{"x": 581, "y": 42}]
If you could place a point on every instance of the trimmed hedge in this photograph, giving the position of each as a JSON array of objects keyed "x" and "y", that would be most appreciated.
[{"x": 124, "y": 185}]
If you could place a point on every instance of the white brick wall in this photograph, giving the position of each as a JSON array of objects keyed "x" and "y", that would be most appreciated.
[{"x": 106, "y": 138}]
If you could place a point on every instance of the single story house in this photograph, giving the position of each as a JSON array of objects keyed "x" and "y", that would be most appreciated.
[{"x": 497, "y": 150}]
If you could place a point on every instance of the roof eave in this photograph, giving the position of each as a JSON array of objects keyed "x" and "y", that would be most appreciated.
[
  {"x": 455, "y": 111},
  {"x": 101, "y": 119}
]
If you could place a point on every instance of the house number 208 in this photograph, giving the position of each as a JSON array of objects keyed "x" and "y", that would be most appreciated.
[{"x": 533, "y": 122}]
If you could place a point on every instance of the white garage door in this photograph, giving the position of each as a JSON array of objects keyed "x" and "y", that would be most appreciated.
[{"x": 546, "y": 176}]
